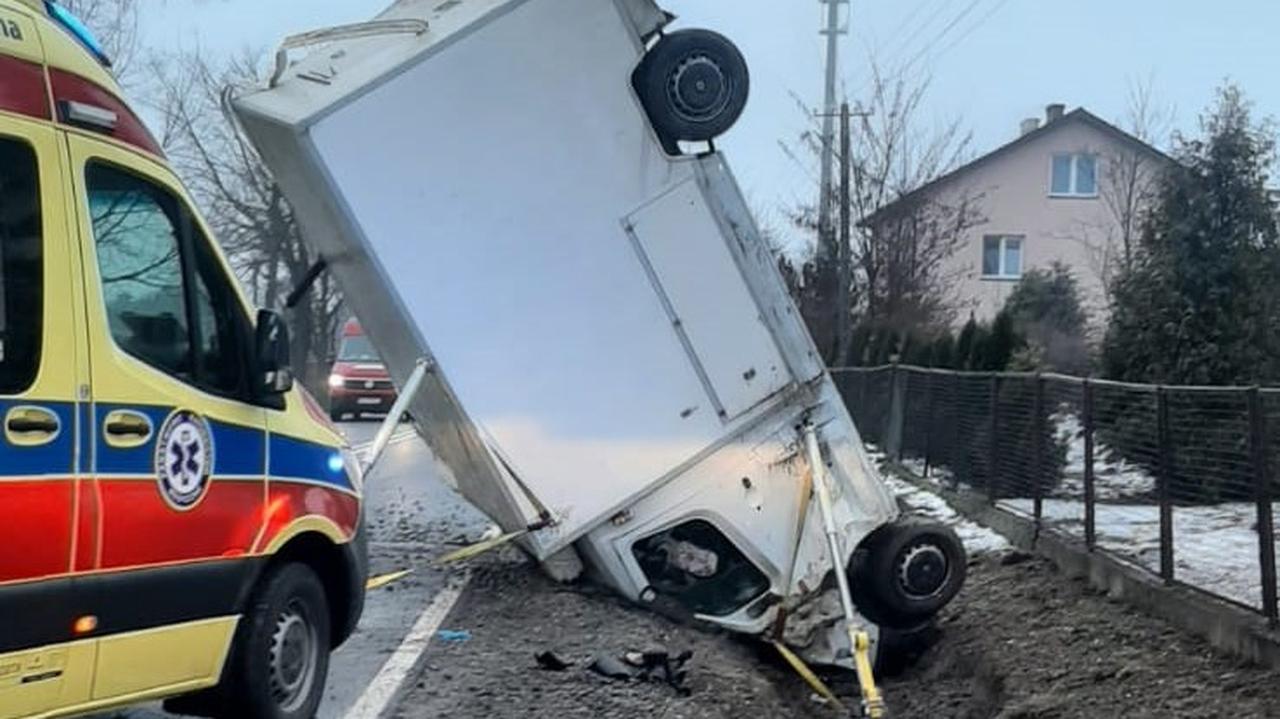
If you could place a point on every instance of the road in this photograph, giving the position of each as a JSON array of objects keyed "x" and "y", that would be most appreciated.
[{"x": 412, "y": 517}]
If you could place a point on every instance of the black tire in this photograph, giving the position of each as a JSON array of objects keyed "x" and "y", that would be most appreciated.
[
  {"x": 693, "y": 85},
  {"x": 278, "y": 666},
  {"x": 907, "y": 572},
  {"x": 335, "y": 415}
]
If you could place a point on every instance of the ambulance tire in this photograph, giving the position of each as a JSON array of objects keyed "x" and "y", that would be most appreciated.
[
  {"x": 693, "y": 85},
  {"x": 281, "y": 658}
]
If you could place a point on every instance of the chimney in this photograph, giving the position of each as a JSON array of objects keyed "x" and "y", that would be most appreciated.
[
  {"x": 1029, "y": 125},
  {"x": 1053, "y": 112}
]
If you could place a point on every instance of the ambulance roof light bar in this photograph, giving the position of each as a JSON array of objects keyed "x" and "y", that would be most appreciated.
[{"x": 78, "y": 30}]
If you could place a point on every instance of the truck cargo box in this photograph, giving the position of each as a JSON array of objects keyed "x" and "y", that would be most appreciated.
[{"x": 609, "y": 342}]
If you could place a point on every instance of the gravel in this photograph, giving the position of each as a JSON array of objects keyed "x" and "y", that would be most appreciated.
[{"x": 1020, "y": 641}]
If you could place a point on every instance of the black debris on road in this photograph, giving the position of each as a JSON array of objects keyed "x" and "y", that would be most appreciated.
[{"x": 1021, "y": 641}]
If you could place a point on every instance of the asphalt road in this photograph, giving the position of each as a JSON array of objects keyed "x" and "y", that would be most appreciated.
[{"x": 413, "y": 517}]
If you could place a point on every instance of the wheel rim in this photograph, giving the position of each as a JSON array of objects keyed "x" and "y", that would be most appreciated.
[
  {"x": 295, "y": 654},
  {"x": 923, "y": 571},
  {"x": 698, "y": 89}
]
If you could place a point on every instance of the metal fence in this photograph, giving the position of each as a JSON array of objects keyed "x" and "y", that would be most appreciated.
[{"x": 1176, "y": 480}]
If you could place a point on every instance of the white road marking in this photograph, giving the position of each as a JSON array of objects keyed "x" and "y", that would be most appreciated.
[
  {"x": 404, "y": 435},
  {"x": 378, "y": 695}
]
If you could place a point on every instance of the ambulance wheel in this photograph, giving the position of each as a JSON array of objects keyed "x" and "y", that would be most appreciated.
[
  {"x": 908, "y": 571},
  {"x": 281, "y": 657},
  {"x": 693, "y": 84}
]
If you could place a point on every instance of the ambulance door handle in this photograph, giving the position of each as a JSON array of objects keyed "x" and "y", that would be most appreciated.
[
  {"x": 125, "y": 429},
  {"x": 27, "y": 426}
]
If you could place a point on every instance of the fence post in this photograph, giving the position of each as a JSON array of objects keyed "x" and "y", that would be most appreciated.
[
  {"x": 894, "y": 419},
  {"x": 928, "y": 420},
  {"x": 1163, "y": 481},
  {"x": 1090, "y": 517},
  {"x": 960, "y": 444},
  {"x": 859, "y": 415},
  {"x": 1262, "y": 490},
  {"x": 994, "y": 446},
  {"x": 1037, "y": 463}
]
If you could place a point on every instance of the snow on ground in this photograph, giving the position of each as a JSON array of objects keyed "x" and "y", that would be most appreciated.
[
  {"x": 977, "y": 538},
  {"x": 1215, "y": 547},
  {"x": 1114, "y": 476}
]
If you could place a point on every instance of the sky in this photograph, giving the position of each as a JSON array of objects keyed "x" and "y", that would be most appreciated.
[{"x": 989, "y": 63}]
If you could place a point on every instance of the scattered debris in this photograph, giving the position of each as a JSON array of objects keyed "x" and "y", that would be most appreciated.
[
  {"x": 451, "y": 636},
  {"x": 550, "y": 662},
  {"x": 611, "y": 667},
  {"x": 1014, "y": 556},
  {"x": 655, "y": 665},
  {"x": 659, "y": 665},
  {"x": 384, "y": 580}
]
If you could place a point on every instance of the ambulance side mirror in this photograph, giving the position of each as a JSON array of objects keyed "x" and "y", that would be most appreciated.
[{"x": 271, "y": 346}]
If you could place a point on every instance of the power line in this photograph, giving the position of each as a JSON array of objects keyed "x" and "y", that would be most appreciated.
[
  {"x": 924, "y": 50},
  {"x": 915, "y": 33},
  {"x": 938, "y": 38},
  {"x": 969, "y": 31}
]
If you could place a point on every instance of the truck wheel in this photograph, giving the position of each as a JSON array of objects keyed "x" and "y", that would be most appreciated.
[
  {"x": 908, "y": 572},
  {"x": 281, "y": 657},
  {"x": 693, "y": 85}
]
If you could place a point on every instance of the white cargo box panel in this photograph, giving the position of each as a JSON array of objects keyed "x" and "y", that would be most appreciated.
[{"x": 488, "y": 191}]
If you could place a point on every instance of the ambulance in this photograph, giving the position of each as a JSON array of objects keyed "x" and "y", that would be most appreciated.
[{"x": 177, "y": 520}]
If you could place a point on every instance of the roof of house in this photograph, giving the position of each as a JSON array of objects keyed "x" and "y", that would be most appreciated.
[{"x": 1077, "y": 115}]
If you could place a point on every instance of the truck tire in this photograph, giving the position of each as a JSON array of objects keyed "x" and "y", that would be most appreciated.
[
  {"x": 693, "y": 85},
  {"x": 278, "y": 666},
  {"x": 907, "y": 572}
]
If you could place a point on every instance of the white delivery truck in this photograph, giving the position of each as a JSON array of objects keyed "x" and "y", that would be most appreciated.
[{"x": 523, "y": 207}]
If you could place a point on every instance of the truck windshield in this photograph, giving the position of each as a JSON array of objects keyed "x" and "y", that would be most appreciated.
[{"x": 357, "y": 348}]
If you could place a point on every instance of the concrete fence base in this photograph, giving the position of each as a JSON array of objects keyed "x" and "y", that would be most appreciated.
[{"x": 1227, "y": 627}]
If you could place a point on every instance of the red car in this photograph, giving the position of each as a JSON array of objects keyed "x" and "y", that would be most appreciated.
[{"x": 358, "y": 381}]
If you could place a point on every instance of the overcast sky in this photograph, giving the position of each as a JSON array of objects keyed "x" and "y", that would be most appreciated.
[{"x": 991, "y": 62}]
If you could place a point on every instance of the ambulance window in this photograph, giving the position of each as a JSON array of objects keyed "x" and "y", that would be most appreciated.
[
  {"x": 21, "y": 267},
  {"x": 136, "y": 231},
  {"x": 219, "y": 319}
]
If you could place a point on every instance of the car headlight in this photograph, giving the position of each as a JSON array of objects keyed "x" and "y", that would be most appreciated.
[{"x": 336, "y": 380}]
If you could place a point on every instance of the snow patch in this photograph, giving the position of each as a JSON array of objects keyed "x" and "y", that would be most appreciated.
[
  {"x": 1215, "y": 547},
  {"x": 1113, "y": 476},
  {"x": 977, "y": 538}
]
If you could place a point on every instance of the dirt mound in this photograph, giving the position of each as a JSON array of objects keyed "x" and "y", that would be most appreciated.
[{"x": 1020, "y": 641}]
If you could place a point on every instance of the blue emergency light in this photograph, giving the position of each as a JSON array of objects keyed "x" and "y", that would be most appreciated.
[{"x": 78, "y": 30}]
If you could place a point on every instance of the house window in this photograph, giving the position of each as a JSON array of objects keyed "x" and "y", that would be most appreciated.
[
  {"x": 1002, "y": 257},
  {"x": 1074, "y": 175}
]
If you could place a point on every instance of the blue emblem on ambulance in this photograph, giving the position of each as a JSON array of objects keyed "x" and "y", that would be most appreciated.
[{"x": 184, "y": 459}]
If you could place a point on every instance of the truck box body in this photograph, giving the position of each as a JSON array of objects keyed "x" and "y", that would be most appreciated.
[{"x": 609, "y": 339}]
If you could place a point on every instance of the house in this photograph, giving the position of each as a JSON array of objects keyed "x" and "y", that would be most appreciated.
[{"x": 1070, "y": 189}]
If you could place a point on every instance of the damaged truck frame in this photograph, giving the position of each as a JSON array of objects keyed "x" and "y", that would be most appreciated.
[{"x": 522, "y": 203}]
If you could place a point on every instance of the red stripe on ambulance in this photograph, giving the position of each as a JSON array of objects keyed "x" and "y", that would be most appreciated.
[{"x": 36, "y": 542}]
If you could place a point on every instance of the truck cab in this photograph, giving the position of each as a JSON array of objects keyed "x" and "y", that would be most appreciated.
[
  {"x": 177, "y": 519},
  {"x": 358, "y": 378}
]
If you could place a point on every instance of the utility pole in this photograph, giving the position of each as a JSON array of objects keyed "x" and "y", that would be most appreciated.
[
  {"x": 833, "y": 33},
  {"x": 844, "y": 291}
]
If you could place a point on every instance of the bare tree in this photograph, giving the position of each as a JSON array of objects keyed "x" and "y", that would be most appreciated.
[
  {"x": 242, "y": 201},
  {"x": 894, "y": 270},
  {"x": 1130, "y": 172},
  {"x": 115, "y": 24}
]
